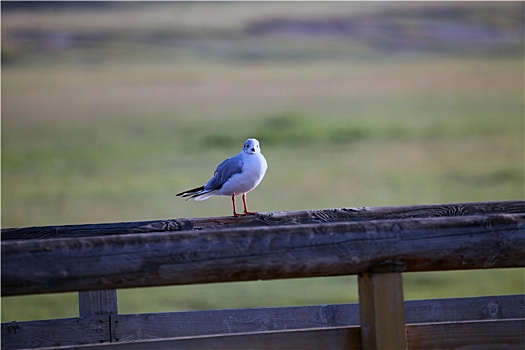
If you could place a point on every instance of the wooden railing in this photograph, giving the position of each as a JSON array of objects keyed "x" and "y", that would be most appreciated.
[{"x": 377, "y": 244}]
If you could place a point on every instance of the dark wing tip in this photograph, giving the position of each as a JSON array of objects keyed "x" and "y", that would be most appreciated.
[{"x": 191, "y": 192}]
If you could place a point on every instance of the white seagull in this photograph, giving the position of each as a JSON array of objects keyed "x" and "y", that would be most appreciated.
[{"x": 234, "y": 176}]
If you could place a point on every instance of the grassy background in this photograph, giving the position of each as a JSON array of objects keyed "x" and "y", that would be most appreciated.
[{"x": 109, "y": 110}]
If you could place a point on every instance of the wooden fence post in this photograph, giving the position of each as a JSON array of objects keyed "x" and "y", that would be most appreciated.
[
  {"x": 382, "y": 310},
  {"x": 97, "y": 302}
]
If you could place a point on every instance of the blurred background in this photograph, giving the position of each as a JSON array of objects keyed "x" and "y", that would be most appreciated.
[{"x": 110, "y": 108}]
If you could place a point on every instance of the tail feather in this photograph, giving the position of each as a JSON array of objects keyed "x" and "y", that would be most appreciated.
[
  {"x": 191, "y": 192},
  {"x": 194, "y": 193}
]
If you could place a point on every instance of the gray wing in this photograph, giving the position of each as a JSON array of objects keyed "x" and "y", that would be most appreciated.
[{"x": 224, "y": 171}]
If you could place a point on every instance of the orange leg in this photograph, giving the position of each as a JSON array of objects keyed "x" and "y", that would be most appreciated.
[
  {"x": 234, "y": 209},
  {"x": 246, "y": 212}
]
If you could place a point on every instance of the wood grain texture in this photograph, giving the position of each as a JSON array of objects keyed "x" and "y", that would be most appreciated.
[
  {"x": 501, "y": 335},
  {"x": 346, "y": 338},
  {"x": 267, "y": 219},
  {"x": 62, "y": 332},
  {"x": 125, "y": 328},
  {"x": 97, "y": 302},
  {"x": 243, "y": 254},
  {"x": 192, "y": 323},
  {"x": 469, "y": 335},
  {"x": 382, "y": 311},
  {"x": 464, "y": 309}
]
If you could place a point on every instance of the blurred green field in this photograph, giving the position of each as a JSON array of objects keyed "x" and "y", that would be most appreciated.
[{"x": 109, "y": 131}]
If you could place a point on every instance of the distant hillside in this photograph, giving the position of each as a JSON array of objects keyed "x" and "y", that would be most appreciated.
[{"x": 216, "y": 31}]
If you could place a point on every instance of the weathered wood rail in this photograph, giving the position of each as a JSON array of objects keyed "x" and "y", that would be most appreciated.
[
  {"x": 267, "y": 219},
  {"x": 377, "y": 244}
]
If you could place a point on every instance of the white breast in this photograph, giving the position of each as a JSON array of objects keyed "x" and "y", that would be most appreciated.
[{"x": 252, "y": 173}]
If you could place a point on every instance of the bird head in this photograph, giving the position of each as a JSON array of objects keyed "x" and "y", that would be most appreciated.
[{"x": 251, "y": 146}]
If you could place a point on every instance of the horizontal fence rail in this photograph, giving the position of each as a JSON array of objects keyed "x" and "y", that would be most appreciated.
[
  {"x": 145, "y": 327},
  {"x": 243, "y": 254},
  {"x": 378, "y": 244},
  {"x": 502, "y": 334},
  {"x": 267, "y": 219}
]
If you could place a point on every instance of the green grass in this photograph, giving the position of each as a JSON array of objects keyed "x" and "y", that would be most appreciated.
[{"x": 109, "y": 134}]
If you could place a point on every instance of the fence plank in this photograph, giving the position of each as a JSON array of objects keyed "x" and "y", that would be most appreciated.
[
  {"x": 195, "y": 323},
  {"x": 62, "y": 332},
  {"x": 267, "y": 219},
  {"x": 501, "y": 335},
  {"x": 192, "y": 323},
  {"x": 346, "y": 338},
  {"x": 382, "y": 311},
  {"x": 464, "y": 309},
  {"x": 479, "y": 335},
  {"x": 168, "y": 258}
]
